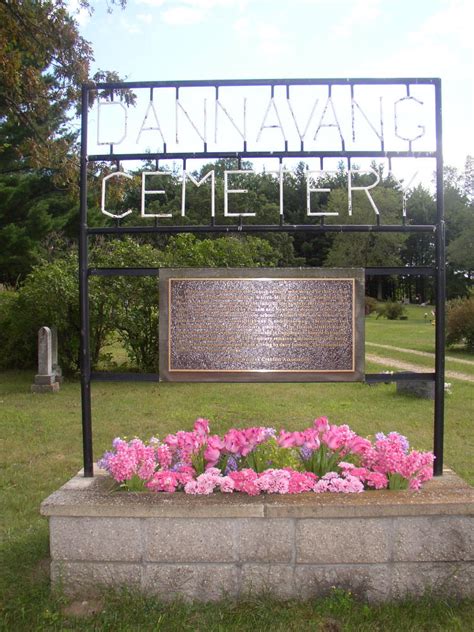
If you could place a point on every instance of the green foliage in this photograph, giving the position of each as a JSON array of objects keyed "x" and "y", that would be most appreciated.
[
  {"x": 31, "y": 210},
  {"x": 460, "y": 323},
  {"x": 322, "y": 461},
  {"x": 49, "y": 298},
  {"x": 370, "y": 305},
  {"x": 121, "y": 306},
  {"x": 390, "y": 310},
  {"x": 270, "y": 455},
  {"x": 188, "y": 251},
  {"x": 129, "y": 305}
]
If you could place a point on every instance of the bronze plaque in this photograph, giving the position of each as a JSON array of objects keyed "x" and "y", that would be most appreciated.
[{"x": 261, "y": 325}]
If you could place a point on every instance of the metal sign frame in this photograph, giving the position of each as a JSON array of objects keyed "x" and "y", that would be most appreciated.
[{"x": 437, "y": 229}]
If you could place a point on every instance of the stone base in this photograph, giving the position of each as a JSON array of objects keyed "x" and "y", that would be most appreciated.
[
  {"x": 380, "y": 545},
  {"x": 45, "y": 388}
]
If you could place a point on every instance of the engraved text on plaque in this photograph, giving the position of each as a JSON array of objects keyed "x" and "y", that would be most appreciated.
[{"x": 290, "y": 328}]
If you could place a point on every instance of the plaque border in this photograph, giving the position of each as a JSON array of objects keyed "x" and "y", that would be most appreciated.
[{"x": 356, "y": 275}]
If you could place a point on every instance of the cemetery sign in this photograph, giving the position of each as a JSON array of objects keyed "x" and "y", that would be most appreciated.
[{"x": 177, "y": 128}]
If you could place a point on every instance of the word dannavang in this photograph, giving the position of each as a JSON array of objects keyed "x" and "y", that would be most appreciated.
[{"x": 340, "y": 121}]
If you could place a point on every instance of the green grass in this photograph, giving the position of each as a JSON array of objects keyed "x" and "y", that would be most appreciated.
[
  {"x": 413, "y": 333},
  {"x": 41, "y": 447}
]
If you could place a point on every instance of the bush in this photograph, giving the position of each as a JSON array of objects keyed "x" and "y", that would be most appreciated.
[
  {"x": 460, "y": 323},
  {"x": 123, "y": 306},
  {"x": 390, "y": 310},
  {"x": 370, "y": 305}
]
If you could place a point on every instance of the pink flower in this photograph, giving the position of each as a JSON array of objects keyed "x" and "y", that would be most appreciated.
[
  {"x": 163, "y": 481},
  {"x": 376, "y": 480},
  {"x": 226, "y": 484},
  {"x": 332, "y": 482},
  {"x": 291, "y": 439},
  {"x": 321, "y": 424},
  {"x": 164, "y": 456},
  {"x": 201, "y": 427},
  {"x": 244, "y": 481},
  {"x": 213, "y": 450},
  {"x": 311, "y": 439}
]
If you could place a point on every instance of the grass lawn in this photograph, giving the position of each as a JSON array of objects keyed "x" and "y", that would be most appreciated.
[{"x": 41, "y": 447}]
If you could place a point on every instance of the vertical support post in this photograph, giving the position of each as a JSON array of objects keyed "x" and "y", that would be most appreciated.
[
  {"x": 85, "y": 359},
  {"x": 440, "y": 294}
]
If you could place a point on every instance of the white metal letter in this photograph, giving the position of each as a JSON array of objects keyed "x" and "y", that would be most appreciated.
[
  {"x": 242, "y": 133},
  {"x": 210, "y": 174},
  {"x": 350, "y": 188},
  {"x": 378, "y": 133},
  {"x": 271, "y": 105},
  {"x": 203, "y": 135},
  {"x": 405, "y": 189},
  {"x": 335, "y": 122},
  {"x": 302, "y": 135},
  {"x": 146, "y": 191},
  {"x": 124, "y": 133},
  {"x": 398, "y": 133},
  {"x": 151, "y": 128},
  {"x": 280, "y": 173},
  {"x": 116, "y": 174},
  {"x": 310, "y": 190},
  {"x": 227, "y": 191}
]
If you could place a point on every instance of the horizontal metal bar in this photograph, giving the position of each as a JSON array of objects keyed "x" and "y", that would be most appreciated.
[
  {"x": 272, "y": 228},
  {"x": 109, "y": 376},
  {"x": 205, "y": 83},
  {"x": 412, "y": 270},
  {"x": 217, "y": 155},
  {"x": 370, "y": 378},
  {"x": 374, "y": 378},
  {"x": 135, "y": 272}
]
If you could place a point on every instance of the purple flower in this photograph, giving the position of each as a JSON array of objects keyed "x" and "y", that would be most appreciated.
[
  {"x": 104, "y": 461},
  {"x": 306, "y": 453},
  {"x": 232, "y": 465}
]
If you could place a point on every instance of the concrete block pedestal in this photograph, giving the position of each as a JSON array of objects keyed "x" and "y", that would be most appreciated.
[{"x": 381, "y": 545}]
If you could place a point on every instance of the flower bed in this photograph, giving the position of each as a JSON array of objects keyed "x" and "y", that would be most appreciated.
[{"x": 321, "y": 458}]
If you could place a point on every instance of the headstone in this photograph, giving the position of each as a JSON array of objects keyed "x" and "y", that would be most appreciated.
[
  {"x": 45, "y": 380},
  {"x": 54, "y": 355},
  {"x": 419, "y": 388}
]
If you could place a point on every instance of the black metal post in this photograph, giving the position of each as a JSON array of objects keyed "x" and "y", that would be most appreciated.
[
  {"x": 84, "y": 298},
  {"x": 440, "y": 294}
]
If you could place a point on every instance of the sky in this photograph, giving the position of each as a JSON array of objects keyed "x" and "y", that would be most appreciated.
[{"x": 244, "y": 39}]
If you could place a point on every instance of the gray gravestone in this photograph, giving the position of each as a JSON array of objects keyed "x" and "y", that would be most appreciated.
[
  {"x": 419, "y": 388},
  {"x": 45, "y": 380},
  {"x": 54, "y": 355}
]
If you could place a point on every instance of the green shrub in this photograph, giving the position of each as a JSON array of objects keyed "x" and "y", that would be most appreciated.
[
  {"x": 370, "y": 305},
  {"x": 390, "y": 310},
  {"x": 460, "y": 323},
  {"x": 122, "y": 307}
]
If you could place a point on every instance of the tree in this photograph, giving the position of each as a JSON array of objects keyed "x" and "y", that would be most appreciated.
[
  {"x": 44, "y": 61},
  {"x": 459, "y": 234},
  {"x": 31, "y": 209},
  {"x": 367, "y": 249},
  {"x": 419, "y": 248}
]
